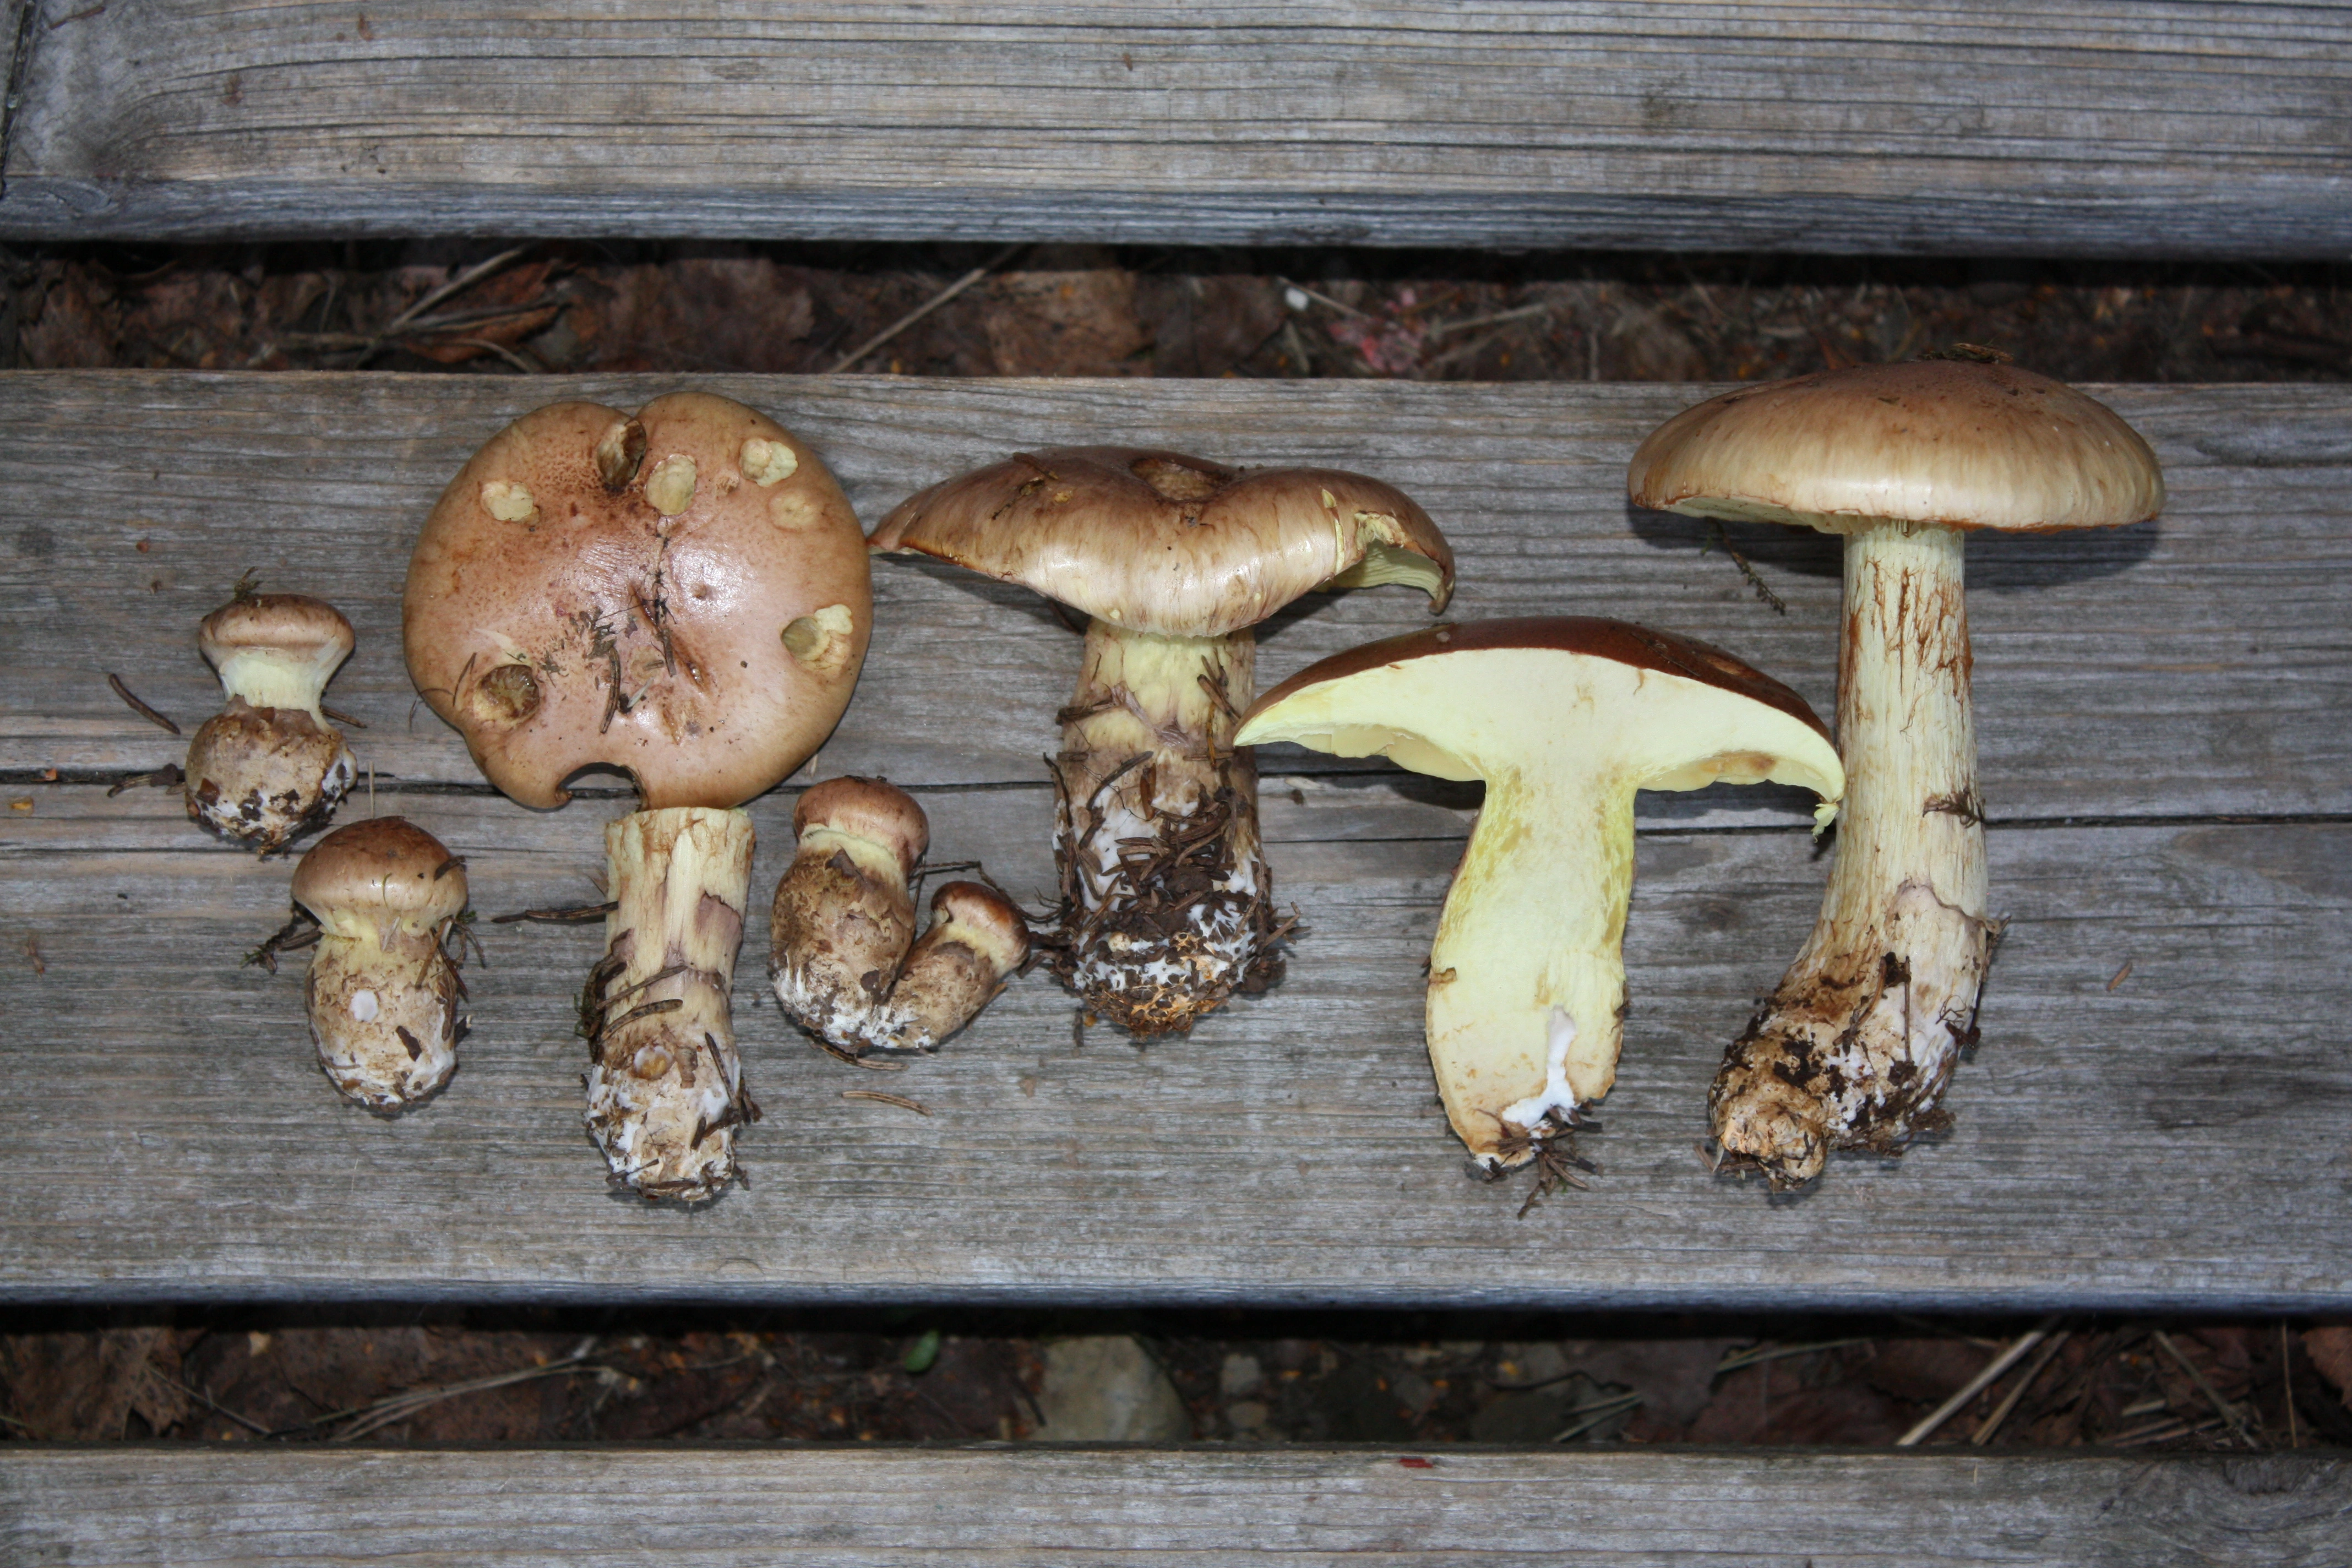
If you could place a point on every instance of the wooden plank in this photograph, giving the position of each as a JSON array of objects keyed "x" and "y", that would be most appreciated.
[
  {"x": 2199, "y": 665},
  {"x": 878, "y": 1508},
  {"x": 2029, "y": 126},
  {"x": 2173, "y": 1143}
]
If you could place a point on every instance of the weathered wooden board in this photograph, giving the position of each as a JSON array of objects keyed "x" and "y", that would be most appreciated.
[
  {"x": 2115, "y": 127},
  {"x": 2201, "y": 664},
  {"x": 2173, "y": 1142},
  {"x": 1199, "y": 1507}
]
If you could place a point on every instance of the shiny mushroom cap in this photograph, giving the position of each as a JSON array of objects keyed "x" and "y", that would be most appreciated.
[
  {"x": 682, "y": 594},
  {"x": 294, "y": 626},
  {"x": 873, "y": 809},
  {"x": 1954, "y": 442},
  {"x": 1158, "y": 542},
  {"x": 386, "y": 868},
  {"x": 986, "y": 920}
]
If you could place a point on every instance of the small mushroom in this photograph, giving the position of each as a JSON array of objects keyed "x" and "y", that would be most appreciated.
[
  {"x": 1564, "y": 718},
  {"x": 957, "y": 967},
  {"x": 681, "y": 594},
  {"x": 1167, "y": 904},
  {"x": 266, "y": 768},
  {"x": 383, "y": 992},
  {"x": 843, "y": 918},
  {"x": 1855, "y": 1048}
]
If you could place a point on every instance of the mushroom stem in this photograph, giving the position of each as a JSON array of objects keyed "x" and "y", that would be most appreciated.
[
  {"x": 1166, "y": 906},
  {"x": 1855, "y": 1049},
  {"x": 664, "y": 1087},
  {"x": 1527, "y": 976},
  {"x": 382, "y": 1002}
]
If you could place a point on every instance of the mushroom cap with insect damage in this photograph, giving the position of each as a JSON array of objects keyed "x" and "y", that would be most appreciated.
[
  {"x": 1153, "y": 540},
  {"x": 682, "y": 594},
  {"x": 1951, "y": 442},
  {"x": 387, "y": 866}
]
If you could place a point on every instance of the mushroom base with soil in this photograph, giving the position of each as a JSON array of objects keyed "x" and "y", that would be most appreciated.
[
  {"x": 1854, "y": 1047},
  {"x": 1167, "y": 903},
  {"x": 664, "y": 1087}
]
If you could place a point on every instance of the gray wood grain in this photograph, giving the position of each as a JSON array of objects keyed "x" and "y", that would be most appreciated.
[
  {"x": 2201, "y": 664},
  {"x": 2116, "y": 127},
  {"x": 2174, "y": 1142},
  {"x": 1199, "y": 1507}
]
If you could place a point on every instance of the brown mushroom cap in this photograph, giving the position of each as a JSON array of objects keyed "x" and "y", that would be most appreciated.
[
  {"x": 387, "y": 866},
  {"x": 1158, "y": 542},
  {"x": 682, "y": 594},
  {"x": 873, "y": 809},
  {"x": 1640, "y": 647},
  {"x": 295, "y": 625},
  {"x": 1946, "y": 441},
  {"x": 988, "y": 916}
]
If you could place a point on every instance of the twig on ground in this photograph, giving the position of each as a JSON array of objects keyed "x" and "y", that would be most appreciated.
[
  {"x": 1323, "y": 299},
  {"x": 558, "y": 916},
  {"x": 1763, "y": 590},
  {"x": 926, "y": 308},
  {"x": 2000, "y": 1413},
  {"x": 2286, "y": 1387},
  {"x": 1591, "y": 1415},
  {"x": 2228, "y": 1411},
  {"x": 138, "y": 707},
  {"x": 200, "y": 1396},
  {"x": 899, "y": 1099},
  {"x": 1979, "y": 1383},
  {"x": 399, "y": 1406},
  {"x": 457, "y": 285},
  {"x": 1738, "y": 1359}
]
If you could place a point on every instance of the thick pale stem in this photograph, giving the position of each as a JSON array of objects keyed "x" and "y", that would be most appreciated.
[
  {"x": 383, "y": 1003},
  {"x": 1166, "y": 900},
  {"x": 665, "y": 1089},
  {"x": 1527, "y": 976},
  {"x": 1855, "y": 1049}
]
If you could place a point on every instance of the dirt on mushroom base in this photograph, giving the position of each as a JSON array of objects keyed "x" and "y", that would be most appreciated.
[{"x": 1157, "y": 945}]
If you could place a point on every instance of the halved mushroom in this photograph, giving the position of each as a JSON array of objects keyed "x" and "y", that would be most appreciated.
[
  {"x": 383, "y": 992},
  {"x": 267, "y": 767},
  {"x": 681, "y": 594},
  {"x": 843, "y": 918},
  {"x": 1564, "y": 718},
  {"x": 1855, "y": 1048},
  {"x": 1167, "y": 905}
]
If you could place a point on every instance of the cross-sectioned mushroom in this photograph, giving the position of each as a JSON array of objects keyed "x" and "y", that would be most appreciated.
[
  {"x": 843, "y": 918},
  {"x": 268, "y": 767},
  {"x": 383, "y": 992},
  {"x": 681, "y": 594},
  {"x": 956, "y": 969},
  {"x": 1565, "y": 719},
  {"x": 1167, "y": 904},
  {"x": 1855, "y": 1048}
]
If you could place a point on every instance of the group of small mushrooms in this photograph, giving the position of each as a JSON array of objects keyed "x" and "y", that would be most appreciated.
[{"x": 682, "y": 594}]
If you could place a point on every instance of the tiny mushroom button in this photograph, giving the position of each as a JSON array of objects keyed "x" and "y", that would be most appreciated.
[
  {"x": 1167, "y": 905},
  {"x": 1855, "y": 1048},
  {"x": 383, "y": 992},
  {"x": 267, "y": 767}
]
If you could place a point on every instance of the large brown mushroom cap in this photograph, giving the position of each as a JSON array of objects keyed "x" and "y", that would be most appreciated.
[
  {"x": 1946, "y": 441},
  {"x": 384, "y": 869},
  {"x": 683, "y": 595},
  {"x": 1158, "y": 542}
]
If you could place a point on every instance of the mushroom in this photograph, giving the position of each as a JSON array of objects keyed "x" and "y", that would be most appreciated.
[
  {"x": 1564, "y": 718},
  {"x": 977, "y": 937},
  {"x": 1855, "y": 1048},
  {"x": 681, "y": 594},
  {"x": 1167, "y": 905},
  {"x": 266, "y": 768},
  {"x": 383, "y": 992},
  {"x": 843, "y": 918}
]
